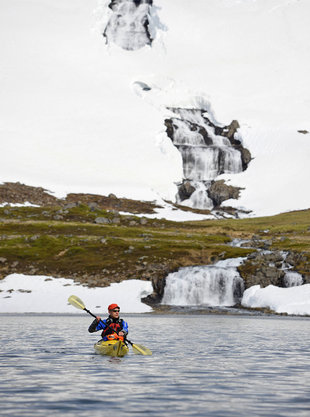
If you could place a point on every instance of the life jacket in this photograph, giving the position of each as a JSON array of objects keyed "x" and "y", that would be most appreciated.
[
  {"x": 114, "y": 336},
  {"x": 113, "y": 326}
]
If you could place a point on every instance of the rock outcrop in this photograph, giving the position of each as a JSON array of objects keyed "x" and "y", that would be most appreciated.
[
  {"x": 271, "y": 268},
  {"x": 17, "y": 193},
  {"x": 219, "y": 192}
]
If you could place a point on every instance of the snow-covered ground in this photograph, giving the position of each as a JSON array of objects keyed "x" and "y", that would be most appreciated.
[
  {"x": 75, "y": 119},
  {"x": 40, "y": 294},
  {"x": 294, "y": 300}
]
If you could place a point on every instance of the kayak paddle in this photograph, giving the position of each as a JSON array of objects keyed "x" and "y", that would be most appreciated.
[{"x": 137, "y": 348}]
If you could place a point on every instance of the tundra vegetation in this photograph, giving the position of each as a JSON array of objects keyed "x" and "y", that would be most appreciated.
[{"x": 95, "y": 246}]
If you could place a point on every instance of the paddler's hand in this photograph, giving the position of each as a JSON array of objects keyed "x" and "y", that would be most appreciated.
[
  {"x": 121, "y": 333},
  {"x": 98, "y": 318}
]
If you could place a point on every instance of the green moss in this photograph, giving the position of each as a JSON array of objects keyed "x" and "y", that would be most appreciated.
[{"x": 75, "y": 243}]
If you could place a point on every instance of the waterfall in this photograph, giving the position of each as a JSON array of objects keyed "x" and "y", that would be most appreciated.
[
  {"x": 128, "y": 26},
  {"x": 207, "y": 151},
  {"x": 206, "y": 163},
  {"x": 216, "y": 285},
  {"x": 292, "y": 279}
]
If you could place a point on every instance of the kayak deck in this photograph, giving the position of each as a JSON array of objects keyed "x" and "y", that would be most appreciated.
[{"x": 111, "y": 348}]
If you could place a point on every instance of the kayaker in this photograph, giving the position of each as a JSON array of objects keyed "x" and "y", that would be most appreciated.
[{"x": 110, "y": 326}]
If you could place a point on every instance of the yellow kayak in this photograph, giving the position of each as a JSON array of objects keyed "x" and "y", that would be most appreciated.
[{"x": 111, "y": 348}]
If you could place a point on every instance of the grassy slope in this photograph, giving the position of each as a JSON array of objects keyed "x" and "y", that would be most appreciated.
[{"x": 54, "y": 241}]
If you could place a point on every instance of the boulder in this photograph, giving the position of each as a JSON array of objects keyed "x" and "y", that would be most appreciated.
[
  {"x": 219, "y": 192},
  {"x": 185, "y": 190},
  {"x": 102, "y": 220}
]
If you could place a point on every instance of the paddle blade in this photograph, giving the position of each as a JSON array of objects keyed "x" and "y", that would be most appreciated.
[
  {"x": 141, "y": 350},
  {"x": 76, "y": 302}
]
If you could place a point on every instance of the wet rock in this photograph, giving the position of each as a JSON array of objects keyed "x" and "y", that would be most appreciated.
[
  {"x": 185, "y": 190},
  {"x": 219, "y": 192},
  {"x": 158, "y": 291}
]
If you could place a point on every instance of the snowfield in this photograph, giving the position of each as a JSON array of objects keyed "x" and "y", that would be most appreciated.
[
  {"x": 41, "y": 294},
  {"x": 75, "y": 119}
]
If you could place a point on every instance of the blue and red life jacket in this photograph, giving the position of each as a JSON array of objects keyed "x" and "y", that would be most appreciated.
[{"x": 111, "y": 326}]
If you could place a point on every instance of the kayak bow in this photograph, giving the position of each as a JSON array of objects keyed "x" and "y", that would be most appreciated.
[{"x": 111, "y": 348}]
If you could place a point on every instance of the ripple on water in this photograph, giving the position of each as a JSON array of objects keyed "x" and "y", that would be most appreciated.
[{"x": 206, "y": 365}]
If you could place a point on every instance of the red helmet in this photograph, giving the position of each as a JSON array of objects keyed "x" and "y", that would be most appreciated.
[{"x": 112, "y": 306}]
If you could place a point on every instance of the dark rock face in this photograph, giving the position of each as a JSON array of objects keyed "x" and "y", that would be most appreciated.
[
  {"x": 186, "y": 190},
  {"x": 219, "y": 192},
  {"x": 208, "y": 150},
  {"x": 158, "y": 291},
  {"x": 128, "y": 26}
]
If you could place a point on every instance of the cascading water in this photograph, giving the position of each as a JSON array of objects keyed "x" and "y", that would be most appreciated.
[
  {"x": 216, "y": 285},
  {"x": 128, "y": 26},
  {"x": 207, "y": 151},
  {"x": 292, "y": 279}
]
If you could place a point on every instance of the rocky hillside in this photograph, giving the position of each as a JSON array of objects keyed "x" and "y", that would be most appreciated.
[{"x": 84, "y": 237}]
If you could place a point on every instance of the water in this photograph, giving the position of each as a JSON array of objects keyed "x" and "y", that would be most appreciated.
[
  {"x": 202, "y": 365},
  {"x": 128, "y": 26},
  {"x": 205, "y": 153},
  {"x": 210, "y": 285}
]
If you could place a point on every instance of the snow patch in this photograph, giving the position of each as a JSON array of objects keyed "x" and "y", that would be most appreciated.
[
  {"x": 41, "y": 294},
  {"x": 294, "y": 300}
]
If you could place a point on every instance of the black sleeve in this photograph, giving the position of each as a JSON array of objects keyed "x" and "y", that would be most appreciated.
[{"x": 93, "y": 327}]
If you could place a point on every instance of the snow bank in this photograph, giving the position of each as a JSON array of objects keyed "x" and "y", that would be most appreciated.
[
  {"x": 42, "y": 294},
  {"x": 294, "y": 300}
]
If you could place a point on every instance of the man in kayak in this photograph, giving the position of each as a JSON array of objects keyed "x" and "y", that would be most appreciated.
[{"x": 112, "y": 325}]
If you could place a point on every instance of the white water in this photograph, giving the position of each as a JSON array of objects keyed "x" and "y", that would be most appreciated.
[
  {"x": 126, "y": 26},
  {"x": 205, "y": 285},
  {"x": 205, "y": 154},
  {"x": 292, "y": 279},
  {"x": 199, "y": 198}
]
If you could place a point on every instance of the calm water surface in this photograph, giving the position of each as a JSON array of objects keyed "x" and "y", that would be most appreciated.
[{"x": 202, "y": 365}]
